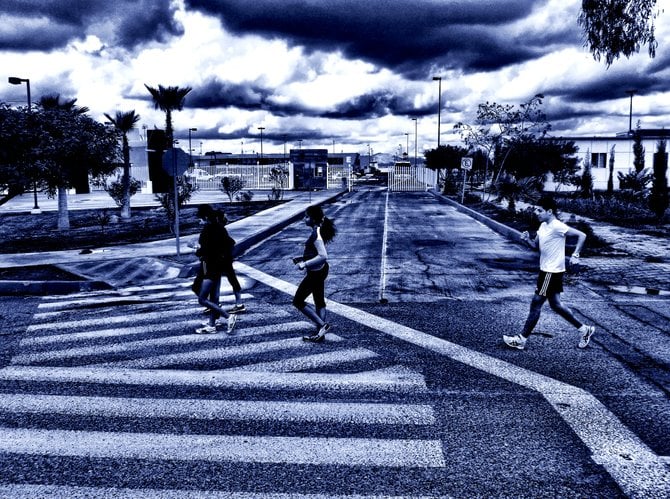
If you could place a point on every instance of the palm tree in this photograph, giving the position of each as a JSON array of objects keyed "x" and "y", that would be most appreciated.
[
  {"x": 124, "y": 123},
  {"x": 168, "y": 99},
  {"x": 53, "y": 102}
]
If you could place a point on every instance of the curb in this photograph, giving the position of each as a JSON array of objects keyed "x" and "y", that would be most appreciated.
[{"x": 500, "y": 228}]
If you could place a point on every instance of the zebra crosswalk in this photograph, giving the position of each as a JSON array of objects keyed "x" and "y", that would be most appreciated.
[{"x": 119, "y": 381}]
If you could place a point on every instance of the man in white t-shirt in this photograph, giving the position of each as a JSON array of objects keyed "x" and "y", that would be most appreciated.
[{"x": 550, "y": 241}]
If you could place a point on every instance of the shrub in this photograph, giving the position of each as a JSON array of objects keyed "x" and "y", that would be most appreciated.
[
  {"x": 231, "y": 186},
  {"x": 115, "y": 189}
]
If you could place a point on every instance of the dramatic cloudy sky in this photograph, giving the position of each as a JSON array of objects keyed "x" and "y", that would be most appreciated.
[{"x": 348, "y": 72}]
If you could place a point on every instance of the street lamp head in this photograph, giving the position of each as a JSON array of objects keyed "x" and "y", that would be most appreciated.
[
  {"x": 192, "y": 129},
  {"x": 13, "y": 80},
  {"x": 437, "y": 78}
]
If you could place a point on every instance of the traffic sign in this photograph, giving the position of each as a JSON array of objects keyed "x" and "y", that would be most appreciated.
[
  {"x": 178, "y": 159},
  {"x": 466, "y": 164}
]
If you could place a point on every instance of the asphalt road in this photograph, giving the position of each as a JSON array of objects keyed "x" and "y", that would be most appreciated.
[{"x": 109, "y": 394}]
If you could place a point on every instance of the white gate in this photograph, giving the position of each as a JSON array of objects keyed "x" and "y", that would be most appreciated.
[
  {"x": 255, "y": 177},
  {"x": 339, "y": 177},
  {"x": 405, "y": 177}
]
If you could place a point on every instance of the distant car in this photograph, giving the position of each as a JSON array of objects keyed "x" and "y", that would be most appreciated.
[{"x": 198, "y": 174}]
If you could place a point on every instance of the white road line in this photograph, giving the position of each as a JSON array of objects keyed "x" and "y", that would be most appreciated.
[
  {"x": 106, "y": 320},
  {"x": 382, "y": 272},
  {"x": 149, "y": 328},
  {"x": 216, "y": 353},
  {"x": 53, "y": 491},
  {"x": 176, "y": 295},
  {"x": 312, "y": 361},
  {"x": 630, "y": 462},
  {"x": 200, "y": 409},
  {"x": 394, "y": 379},
  {"x": 220, "y": 448},
  {"x": 147, "y": 345}
]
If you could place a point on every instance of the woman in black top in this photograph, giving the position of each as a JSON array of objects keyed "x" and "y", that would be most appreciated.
[
  {"x": 213, "y": 241},
  {"x": 315, "y": 261}
]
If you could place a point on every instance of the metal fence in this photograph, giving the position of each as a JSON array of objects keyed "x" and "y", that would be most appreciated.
[
  {"x": 255, "y": 177},
  {"x": 405, "y": 177},
  {"x": 338, "y": 177}
]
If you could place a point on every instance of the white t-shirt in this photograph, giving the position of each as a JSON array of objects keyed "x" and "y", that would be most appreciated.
[{"x": 551, "y": 238}]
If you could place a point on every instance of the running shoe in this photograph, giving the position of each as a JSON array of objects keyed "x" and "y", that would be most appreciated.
[
  {"x": 587, "y": 332},
  {"x": 232, "y": 320},
  {"x": 237, "y": 309},
  {"x": 517, "y": 341},
  {"x": 206, "y": 330},
  {"x": 320, "y": 334}
]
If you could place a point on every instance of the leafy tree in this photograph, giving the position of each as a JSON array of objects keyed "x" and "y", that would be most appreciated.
[
  {"x": 168, "y": 99},
  {"x": 658, "y": 199},
  {"x": 530, "y": 157},
  {"x": 120, "y": 191},
  {"x": 618, "y": 27},
  {"x": 231, "y": 186},
  {"x": 16, "y": 169},
  {"x": 444, "y": 157},
  {"x": 509, "y": 188},
  {"x": 69, "y": 144},
  {"x": 279, "y": 176},
  {"x": 586, "y": 181},
  {"x": 185, "y": 191},
  {"x": 610, "y": 178},
  {"x": 124, "y": 122},
  {"x": 499, "y": 127},
  {"x": 638, "y": 150}
]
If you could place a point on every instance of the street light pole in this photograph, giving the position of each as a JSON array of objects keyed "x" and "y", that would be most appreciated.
[
  {"x": 176, "y": 194},
  {"x": 415, "y": 144},
  {"x": 190, "y": 151},
  {"x": 261, "y": 128},
  {"x": 13, "y": 80},
  {"x": 439, "y": 105},
  {"x": 630, "y": 92}
]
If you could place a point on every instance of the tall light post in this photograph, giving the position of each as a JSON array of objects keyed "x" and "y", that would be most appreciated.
[
  {"x": 261, "y": 128},
  {"x": 439, "y": 105},
  {"x": 190, "y": 151},
  {"x": 630, "y": 92},
  {"x": 176, "y": 194},
  {"x": 415, "y": 141},
  {"x": 13, "y": 80}
]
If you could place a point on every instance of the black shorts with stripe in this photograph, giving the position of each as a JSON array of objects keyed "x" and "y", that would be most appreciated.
[{"x": 549, "y": 283}]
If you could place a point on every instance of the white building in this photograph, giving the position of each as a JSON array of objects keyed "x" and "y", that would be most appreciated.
[{"x": 598, "y": 150}]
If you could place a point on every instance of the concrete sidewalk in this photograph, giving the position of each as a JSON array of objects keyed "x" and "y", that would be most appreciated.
[{"x": 247, "y": 232}]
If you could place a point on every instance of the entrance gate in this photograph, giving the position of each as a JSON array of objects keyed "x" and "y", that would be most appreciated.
[{"x": 405, "y": 177}]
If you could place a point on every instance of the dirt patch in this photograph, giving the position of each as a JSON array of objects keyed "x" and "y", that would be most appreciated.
[
  {"x": 38, "y": 273},
  {"x": 90, "y": 229}
]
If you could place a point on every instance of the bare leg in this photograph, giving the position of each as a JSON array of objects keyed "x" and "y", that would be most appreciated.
[
  {"x": 533, "y": 314},
  {"x": 558, "y": 307},
  {"x": 204, "y": 300}
]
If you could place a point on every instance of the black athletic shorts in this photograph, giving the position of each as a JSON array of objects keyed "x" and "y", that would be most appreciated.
[{"x": 549, "y": 283}]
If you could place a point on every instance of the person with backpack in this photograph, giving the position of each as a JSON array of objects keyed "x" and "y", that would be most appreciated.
[
  {"x": 314, "y": 261},
  {"x": 214, "y": 242}
]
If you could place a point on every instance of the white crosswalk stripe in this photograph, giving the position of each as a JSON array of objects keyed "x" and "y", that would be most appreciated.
[{"x": 93, "y": 363}]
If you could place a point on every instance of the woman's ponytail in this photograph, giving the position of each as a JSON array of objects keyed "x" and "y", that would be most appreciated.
[{"x": 328, "y": 230}]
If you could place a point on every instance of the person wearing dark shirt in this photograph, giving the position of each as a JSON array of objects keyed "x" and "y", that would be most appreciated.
[
  {"x": 212, "y": 247},
  {"x": 314, "y": 262}
]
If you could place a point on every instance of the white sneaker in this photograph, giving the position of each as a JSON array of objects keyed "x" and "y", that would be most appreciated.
[
  {"x": 516, "y": 341},
  {"x": 587, "y": 332},
  {"x": 206, "y": 330},
  {"x": 232, "y": 320},
  {"x": 219, "y": 322}
]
